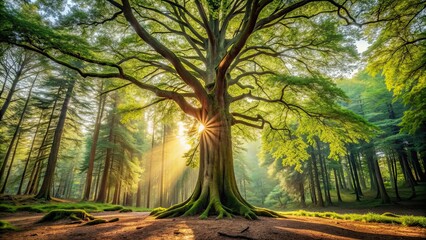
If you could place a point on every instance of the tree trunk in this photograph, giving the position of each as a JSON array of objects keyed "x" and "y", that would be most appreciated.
[
  {"x": 311, "y": 183},
  {"x": 163, "y": 148},
  {"x": 320, "y": 200},
  {"x": 150, "y": 161},
  {"x": 44, "y": 192},
  {"x": 394, "y": 176},
  {"x": 3, "y": 189},
  {"x": 324, "y": 174},
  {"x": 216, "y": 188},
  {"x": 36, "y": 169},
  {"x": 29, "y": 155},
  {"x": 360, "y": 171},
  {"x": 380, "y": 184},
  {"x": 421, "y": 176},
  {"x": 353, "y": 168},
  {"x": 407, "y": 172},
  {"x": 89, "y": 174},
  {"x": 302, "y": 193},
  {"x": 105, "y": 175},
  {"x": 370, "y": 156},
  {"x": 15, "y": 134},
  {"x": 139, "y": 191},
  {"x": 339, "y": 198},
  {"x": 341, "y": 175},
  {"x": 8, "y": 99},
  {"x": 98, "y": 177}
]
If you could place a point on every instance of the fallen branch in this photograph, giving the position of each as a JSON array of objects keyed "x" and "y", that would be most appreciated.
[{"x": 235, "y": 236}]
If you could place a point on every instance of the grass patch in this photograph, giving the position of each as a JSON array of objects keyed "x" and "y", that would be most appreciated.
[
  {"x": 6, "y": 226},
  {"x": 391, "y": 218}
]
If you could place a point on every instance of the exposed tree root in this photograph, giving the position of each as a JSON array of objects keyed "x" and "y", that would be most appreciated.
[
  {"x": 214, "y": 207},
  {"x": 73, "y": 214}
]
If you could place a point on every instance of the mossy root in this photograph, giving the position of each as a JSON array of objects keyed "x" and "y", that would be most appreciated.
[{"x": 73, "y": 214}]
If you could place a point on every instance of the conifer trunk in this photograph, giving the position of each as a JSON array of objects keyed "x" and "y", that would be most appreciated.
[
  {"x": 15, "y": 81},
  {"x": 29, "y": 155},
  {"x": 102, "y": 194},
  {"x": 16, "y": 133},
  {"x": 92, "y": 155},
  {"x": 45, "y": 189}
]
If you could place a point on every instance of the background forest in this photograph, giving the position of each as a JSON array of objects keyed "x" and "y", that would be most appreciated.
[{"x": 113, "y": 143}]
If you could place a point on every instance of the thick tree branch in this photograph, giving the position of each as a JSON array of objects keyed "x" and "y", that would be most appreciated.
[
  {"x": 238, "y": 46},
  {"x": 205, "y": 22},
  {"x": 186, "y": 76},
  {"x": 177, "y": 97}
]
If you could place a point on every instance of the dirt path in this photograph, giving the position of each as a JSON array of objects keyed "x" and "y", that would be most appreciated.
[{"x": 141, "y": 226}]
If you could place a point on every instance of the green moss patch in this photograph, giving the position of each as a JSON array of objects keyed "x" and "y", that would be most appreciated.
[
  {"x": 6, "y": 226},
  {"x": 7, "y": 208},
  {"x": 113, "y": 208},
  {"x": 124, "y": 210},
  {"x": 29, "y": 209},
  {"x": 73, "y": 214}
]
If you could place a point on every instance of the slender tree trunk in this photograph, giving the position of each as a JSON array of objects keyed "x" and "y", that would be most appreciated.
[
  {"x": 341, "y": 175},
  {"x": 70, "y": 184},
  {"x": 105, "y": 175},
  {"x": 34, "y": 185},
  {"x": 421, "y": 176},
  {"x": 3, "y": 189},
  {"x": 369, "y": 155},
  {"x": 352, "y": 165},
  {"x": 394, "y": 177},
  {"x": 140, "y": 186},
  {"x": 361, "y": 171},
  {"x": 8, "y": 99},
  {"x": 15, "y": 134},
  {"x": 320, "y": 200},
  {"x": 324, "y": 174},
  {"x": 353, "y": 179},
  {"x": 92, "y": 155},
  {"x": 36, "y": 169},
  {"x": 380, "y": 184},
  {"x": 407, "y": 173},
  {"x": 44, "y": 192},
  {"x": 339, "y": 198},
  {"x": 311, "y": 183},
  {"x": 148, "y": 191},
  {"x": 6, "y": 76},
  {"x": 29, "y": 155},
  {"x": 98, "y": 177},
  {"x": 302, "y": 194},
  {"x": 161, "y": 192}
]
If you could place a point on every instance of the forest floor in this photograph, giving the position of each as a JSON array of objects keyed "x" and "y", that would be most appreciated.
[{"x": 139, "y": 225}]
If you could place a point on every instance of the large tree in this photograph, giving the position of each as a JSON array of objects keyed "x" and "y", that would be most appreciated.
[{"x": 245, "y": 63}]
